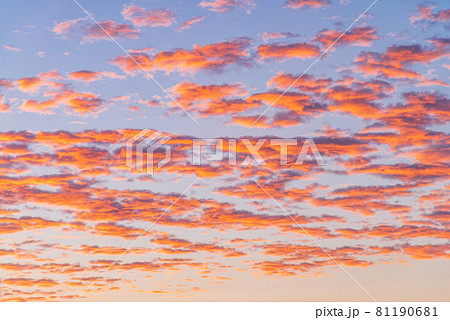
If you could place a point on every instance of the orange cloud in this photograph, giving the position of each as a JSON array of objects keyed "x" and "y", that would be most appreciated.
[
  {"x": 44, "y": 107},
  {"x": 299, "y": 50},
  {"x": 208, "y": 100},
  {"x": 442, "y": 216},
  {"x": 297, "y": 4},
  {"x": 300, "y": 103},
  {"x": 249, "y": 121},
  {"x": 42, "y": 80},
  {"x": 406, "y": 123},
  {"x": 378, "y": 191},
  {"x": 286, "y": 269},
  {"x": 181, "y": 246},
  {"x": 396, "y": 62},
  {"x": 392, "y": 232},
  {"x": 190, "y": 23},
  {"x": 425, "y": 14},
  {"x": 115, "y": 213},
  {"x": 15, "y": 148},
  {"x": 360, "y": 99},
  {"x": 308, "y": 257},
  {"x": 85, "y": 75},
  {"x": 5, "y": 83},
  {"x": 407, "y": 172},
  {"x": 362, "y": 205},
  {"x": 83, "y": 102},
  {"x": 27, "y": 282},
  {"x": 88, "y": 76},
  {"x": 65, "y": 138},
  {"x": 210, "y": 57},
  {"x": 306, "y": 84},
  {"x": 423, "y": 252},
  {"x": 114, "y": 230},
  {"x": 77, "y": 102},
  {"x": 13, "y": 225},
  {"x": 4, "y": 107},
  {"x": 116, "y": 251},
  {"x": 57, "y": 93},
  {"x": 358, "y": 36}
]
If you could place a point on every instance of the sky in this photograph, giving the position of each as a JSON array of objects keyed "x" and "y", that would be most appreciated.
[{"x": 78, "y": 79}]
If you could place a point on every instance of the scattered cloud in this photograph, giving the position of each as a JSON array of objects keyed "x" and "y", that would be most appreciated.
[
  {"x": 213, "y": 57},
  {"x": 282, "y": 52},
  {"x": 298, "y": 4},
  {"x": 91, "y": 32},
  {"x": 149, "y": 18},
  {"x": 11, "y": 48},
  {"x": 190, "y": 23},
  {"x": 226, "y": 5}
]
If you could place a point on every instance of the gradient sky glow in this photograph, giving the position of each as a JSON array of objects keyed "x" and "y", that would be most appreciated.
[{"x": 376, "y": 106}]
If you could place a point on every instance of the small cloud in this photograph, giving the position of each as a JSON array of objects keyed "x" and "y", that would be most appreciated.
[
  {"x": 190, "y": 23},
  {"x": 222, "y": 6},
  {"x": 4, "y": 106},
  {"x": 40, "y": 54},
  {"x": 297, "y": 4},
  {"x": 149, "y": 18},
  {"x": 143, "y": 50},
  {"x": 426, "y": 15},
  {"x": 91, "y": 32},
  {"x": 21, "y": 31},
  {"x": 278, "y": 35},
  {"x": 11, "y": 48},
  {"x": 87, "y": 75}
]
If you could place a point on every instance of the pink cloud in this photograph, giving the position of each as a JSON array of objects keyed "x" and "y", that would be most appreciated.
[
  {"x": 226, "y": 5},
  {"x": 190, "y": 23},
  {"x": 90, "y": 32},
  {"x": 149, "y": 18},
  {"x": 11, "y": 48},
  {"x": 297, "y": 4}
]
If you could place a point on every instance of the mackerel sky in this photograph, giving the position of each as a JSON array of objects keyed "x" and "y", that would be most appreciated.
[{"x": 372, "y": 223}]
